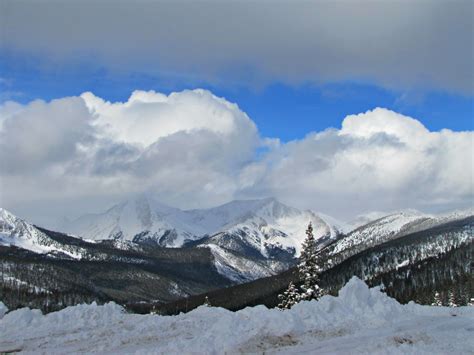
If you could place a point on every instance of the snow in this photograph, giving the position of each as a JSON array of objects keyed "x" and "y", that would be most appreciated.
[
  {"x": 381, "y": 230},
  {"x": 403, "y": 263},
  {"x": 236, "y": 268},
  {"x": 394, "y": 226},
  {"x": 365, "y": 218},
  {"x": 412, "y": 220},
  {"x": 268, "y": 223},
  {"x": 336, "y": 225},
  {"x": 265, "y": 226},
  {"x": 143, "y": 213},
  {"x": 359, "y": 320},
  {"x": 453, "y": 215},
  {"x": 16, "y": 232}
]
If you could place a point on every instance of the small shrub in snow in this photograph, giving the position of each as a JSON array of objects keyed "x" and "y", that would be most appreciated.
[
  {"x": 437, "y": 299},
  {"x": 207, "y": 303}
]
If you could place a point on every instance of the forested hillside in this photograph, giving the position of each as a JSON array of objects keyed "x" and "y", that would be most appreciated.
[
  {"x": 411, "y": 268},
  {"x": 425, "y": 266}
]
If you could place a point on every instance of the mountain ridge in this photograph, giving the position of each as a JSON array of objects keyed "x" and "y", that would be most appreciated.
[
  {"x": 146, "y": 219},
  {"x": 124, "y": 270},
  {"x": 254, "y": 238}
]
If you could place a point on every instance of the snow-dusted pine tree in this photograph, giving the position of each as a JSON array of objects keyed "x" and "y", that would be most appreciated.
[
  {"x": 155, "y": 310},
  {"x": 207, "y": 303},
  {"x": 451, "y": 299},
  {"x": 289, "y": 298},
  {"x": 309, "y": 269},
  {"x": 437, "y": 299}
]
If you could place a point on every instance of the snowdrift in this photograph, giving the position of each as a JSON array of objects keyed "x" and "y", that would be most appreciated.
[{"x": 359, "y": 320}]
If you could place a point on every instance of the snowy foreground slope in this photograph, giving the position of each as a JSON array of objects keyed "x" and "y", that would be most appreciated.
[{"x": 359, "y": 320}]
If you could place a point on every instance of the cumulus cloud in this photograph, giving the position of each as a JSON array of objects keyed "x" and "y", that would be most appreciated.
[
  {"x": 397, "y": 44},
  {"x": 179, "y": 146},
  {"x": 41, "y": 131},
  {"x": 192, "y": 149},
  {"x": 378, "y": 160},
  {"x": 148, "y": 116}
]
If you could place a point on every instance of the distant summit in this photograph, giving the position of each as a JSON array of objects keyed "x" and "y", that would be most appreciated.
[{"x": 143, "y": 219}]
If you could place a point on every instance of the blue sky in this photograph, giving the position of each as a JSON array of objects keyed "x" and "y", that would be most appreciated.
[
  {"x": 295, "y": 67},
  {"x": 279, "y": 110}
]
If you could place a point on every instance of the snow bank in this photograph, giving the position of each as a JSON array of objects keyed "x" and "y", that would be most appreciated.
[{"x": 359, "y": 320}]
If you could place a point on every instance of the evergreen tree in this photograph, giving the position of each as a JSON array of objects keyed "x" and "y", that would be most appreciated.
[
  {"x": 309, "y": 268},
  {"x": 207, "y": 303},
  {"x": 451, "y": 299},
  {"x": 437, "y": 299},
  {"x": 289, "y": 298}
]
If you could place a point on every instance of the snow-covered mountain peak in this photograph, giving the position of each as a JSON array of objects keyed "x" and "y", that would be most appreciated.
[
  {"x": 140, "y": 214},
  {"x": 241, "y": 209},
  {"x": 14, "y": 231},
  {"x": 266, "y": 211},
  {"x": 274, "y": 209},
  {"x": 7, "y": 220},
  {"x": 271, "y": 227},
  {"x": 264, "y": 221}
]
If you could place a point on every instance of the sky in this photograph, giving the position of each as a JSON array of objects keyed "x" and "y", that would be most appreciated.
[{"x": 342, "y": 107}]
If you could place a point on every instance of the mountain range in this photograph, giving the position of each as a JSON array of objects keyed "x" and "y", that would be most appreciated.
[
  {"x": 234, "y": 243},
  {"x": 248, "y": 238},
  {"x": 143, "y": 219}
]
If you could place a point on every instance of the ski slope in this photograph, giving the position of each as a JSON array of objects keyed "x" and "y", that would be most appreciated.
[{"x": 359, "y": 321}]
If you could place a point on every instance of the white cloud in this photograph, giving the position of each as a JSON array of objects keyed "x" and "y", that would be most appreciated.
[
  {"x": 366, "y": 125},
  {"x": 148, "y": 116},
  {"x": 185, "y": 147},
  {"x": 192, "y": 149},
  {"x": 40, "y": 131},
  {"x": 378, "y": 160}
]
